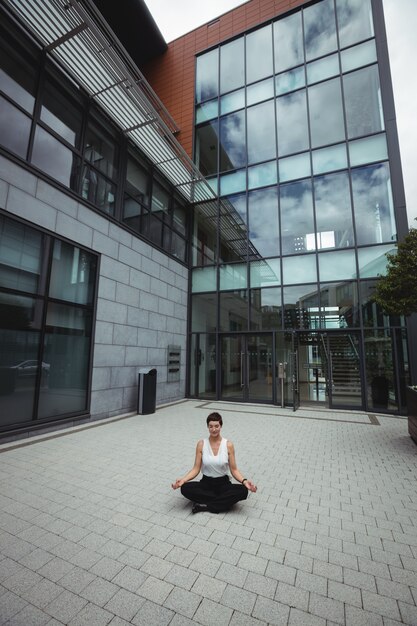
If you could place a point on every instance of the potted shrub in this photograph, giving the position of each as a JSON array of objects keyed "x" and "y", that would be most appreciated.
[{"x": 412, "y": 411}]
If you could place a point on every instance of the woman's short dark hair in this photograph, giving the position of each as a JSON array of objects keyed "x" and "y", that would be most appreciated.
[{"x": 214, "y": 417}]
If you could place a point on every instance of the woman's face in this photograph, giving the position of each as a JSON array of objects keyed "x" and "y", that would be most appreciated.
[{"x": 214, "y": 429}]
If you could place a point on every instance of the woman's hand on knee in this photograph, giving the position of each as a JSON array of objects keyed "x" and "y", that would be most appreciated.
[
  {"x": 250, "y": 486},
  {"x": 177, "y": 484}
]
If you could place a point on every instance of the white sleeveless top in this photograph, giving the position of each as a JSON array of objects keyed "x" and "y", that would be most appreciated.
[{"x": 215, "y": 466}]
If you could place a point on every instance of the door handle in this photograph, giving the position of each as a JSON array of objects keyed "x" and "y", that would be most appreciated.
[{"x": 241, "y": 369}]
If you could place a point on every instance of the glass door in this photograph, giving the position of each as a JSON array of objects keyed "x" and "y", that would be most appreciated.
[
  {"x": 247, "y": 368},
  {"x": 344, "y": 370}
]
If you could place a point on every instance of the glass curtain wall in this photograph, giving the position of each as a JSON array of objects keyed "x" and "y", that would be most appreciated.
[
  {"x": 47, "y": 298},
  {"x": 290, "y": 129}
]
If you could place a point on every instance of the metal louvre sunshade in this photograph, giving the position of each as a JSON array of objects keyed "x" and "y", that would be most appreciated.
[{"x": 75, "y": 34}]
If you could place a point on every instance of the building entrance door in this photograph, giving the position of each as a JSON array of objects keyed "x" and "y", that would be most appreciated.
[
  {"x": 329, "y": 369},
  {"x": 247, "y": 368}
]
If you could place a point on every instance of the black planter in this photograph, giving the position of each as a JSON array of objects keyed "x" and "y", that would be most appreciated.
[{"x": 412, "y": 412}]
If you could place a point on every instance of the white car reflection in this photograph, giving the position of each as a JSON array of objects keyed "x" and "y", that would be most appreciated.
[{"x": 30, "y": 368}]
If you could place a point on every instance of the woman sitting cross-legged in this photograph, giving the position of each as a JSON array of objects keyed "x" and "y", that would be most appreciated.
[{"x": 214, "y": 457}]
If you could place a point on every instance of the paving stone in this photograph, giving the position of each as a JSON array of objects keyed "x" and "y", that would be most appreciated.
[
  {"x": 92, "y": 615},
  {"x": 99, "y": 591},
  {"x": 210, "y": 613},
  {"x": 65, "y": 606},
  {"x": 357, "y": 617},
  {"x": 311, "y": 582},
  {"x": 359, "y": 579},
  {"x": 183, "y": 601},
  {"x": 270, "y": 611},
  {"x": 261, "y": 585},
  {"x": 151, "y": 614},
  {"x": 129, "y": 578},
  {"x": 29, "y": 616},
  {"x": 10, "y": 605},
  {"x": 380, "y": 604},
  {"x": 155, "y": 590},
  {"x": 209, "y": 587},
  {"x": 238, "y": 599},
  {"x": 240, "y": 619},
  {"x": 76, "y": 580},
  {"x": 42, "y": 593},
  {"x": 327, "y": 608},
  {"x": 344, "y": 593},
  {"x": 281, "y": 572},
  {"x": 106, "y": 568},
  {"x": 232, "y": 575},
  {"x": 292, "y": 596},
  {"x": 125, "y": 604},
  {"x": 181, "y": 577}
]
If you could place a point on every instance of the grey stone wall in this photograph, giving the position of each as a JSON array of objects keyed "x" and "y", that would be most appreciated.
[{"x": 142, "y": 293}]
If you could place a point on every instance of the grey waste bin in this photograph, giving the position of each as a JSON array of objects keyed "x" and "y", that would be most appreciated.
[{"x": 146, "y": 390}]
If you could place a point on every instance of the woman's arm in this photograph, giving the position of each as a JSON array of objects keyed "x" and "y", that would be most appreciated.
[
  {"x": 194, "y": 471},
  {"x": 237, "y": 475}
]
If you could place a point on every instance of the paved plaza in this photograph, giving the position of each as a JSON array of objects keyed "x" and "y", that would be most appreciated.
[{"x": 92, "y": 534}]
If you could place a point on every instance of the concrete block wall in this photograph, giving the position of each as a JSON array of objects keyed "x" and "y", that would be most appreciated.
[{"x": 142, "y": 293}]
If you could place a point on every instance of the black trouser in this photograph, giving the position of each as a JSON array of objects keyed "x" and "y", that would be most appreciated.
[{"x": 218, "y": 493}]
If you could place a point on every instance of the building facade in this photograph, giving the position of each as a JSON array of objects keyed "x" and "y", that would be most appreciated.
[
  {"x": 293, "y": 124},
  {"x": 246, "y": 276}
]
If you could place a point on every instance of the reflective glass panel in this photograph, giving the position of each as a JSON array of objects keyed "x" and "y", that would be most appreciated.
[
  {"x": 364, "y": 113},
  {"x": 373, "y": 261},
  {"x": 204, "y": 279},
  {"x": 19, "y": 359},
  {"x": 326, "y": 112},
  {"x": 263, "y": 223},
  {"x": 132, "y": 214},
  {"x": 372, "y": 313},
  {"x": 260, "y": 91},
  {"x": 203, "y": 366},
  {"x": 300, "y": 306},
  {"x": 179, "y": 218},
  {"x": 360, "y": 55},
  {"x": 73, "y": 274},
  {"x": 259, "y": 54},
  {"x": 322, "y": 69},
  {"x": 265, "y": 309},
  {"x": 98, "y": 190},
  {"x": 339, "y": 307},
  {"x": 299, "y": 269},
  {"x": 67, "y": 352},
  {"x": 137, "y": 181},
  {"x": 160, "y": 199},
  {"x": 233, "y": 229},
  {"x": 328, "y": 159},
  {"x": 292, "y": 123},
  {"x": 20, "y": 256},
  {"x": 232, "y": 141},
  {"x": 261, "y": 132},
  {"x": 178, "y": 247},
  {"x": 233, "y": 276},
  {"x": 61, "y": 114},
  {"x": 232, "y": 183},
  {"x": 206, "y": 111},
  {"x": 14, "y": 128},
  {"x": 101, "y": 150},
  {"x": 333, "y": 211},
  {"x": 288, "y": 42},
  {"x": 382, "y": 391},
  {"x": 362, "y": 151},
  {"x": 232, "y": 68},
  {"x": 289, "y": 81},
  {"x": 206, "y": 148},
  {"x": 297, "y": 220},
  {"x": 262, "y": 175},
  {"x": 354, "y": 19},
  {"x": 339, "y": 265},
  {"x": 204, "y": 312},
  {"x": 232, "y": 102},
  {"x": 319, "y": 29},
  {"x": 19, "y": 88},
  {"x": 234, "y": 310},
  {"x": 207, "y": 76},
  {"x": 294, "y": 167},
  {"x": 373, "y": 207},
  {"x": 52, "y": 157},
  {"x": 266, "y": 273},
  {"x": 204, "y": 233}
]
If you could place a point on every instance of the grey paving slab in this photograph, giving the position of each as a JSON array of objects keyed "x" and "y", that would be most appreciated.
[{"x": 91, "y": 532}]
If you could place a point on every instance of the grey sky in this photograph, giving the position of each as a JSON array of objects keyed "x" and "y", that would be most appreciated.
[{"x": 177, "y": 18}]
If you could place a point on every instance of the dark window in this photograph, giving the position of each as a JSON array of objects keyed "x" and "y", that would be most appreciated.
[
  {"x": 206, "y": 150},
  {"x": 61, "y": 113},
  {"x": 232, "y": 141},
  {"x": 14, "y": 128},
  {"x": 52, "y": 157},
  {"x": 363, "y": 103}
]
